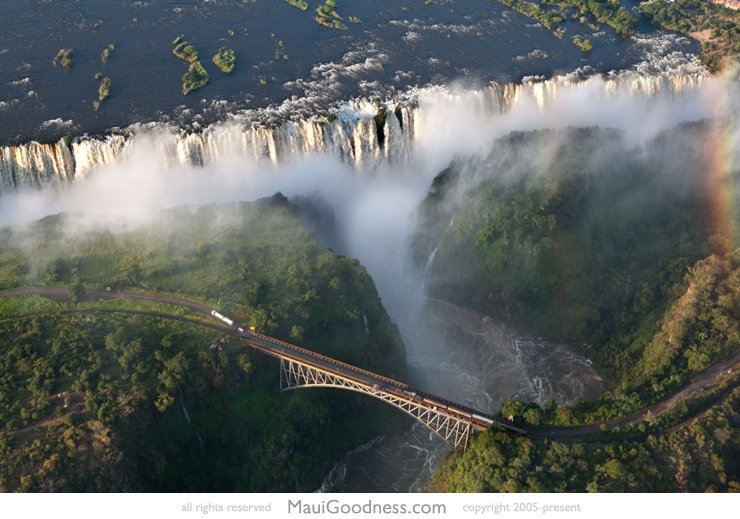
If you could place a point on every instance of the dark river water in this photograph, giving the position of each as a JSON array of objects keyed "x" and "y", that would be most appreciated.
[{"x": 285, "y": 61}]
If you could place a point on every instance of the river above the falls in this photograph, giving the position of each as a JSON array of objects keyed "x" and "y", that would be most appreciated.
[{"x": 287, "y": 66}]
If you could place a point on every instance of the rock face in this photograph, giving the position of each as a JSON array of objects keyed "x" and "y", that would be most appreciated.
[{"x": 363, "y": 133}]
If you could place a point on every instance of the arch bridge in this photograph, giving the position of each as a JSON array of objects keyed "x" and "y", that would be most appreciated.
[{"x": 301, "y": 368}]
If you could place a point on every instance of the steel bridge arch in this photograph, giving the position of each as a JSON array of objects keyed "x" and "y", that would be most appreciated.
[{"x": 454, "y": 431}]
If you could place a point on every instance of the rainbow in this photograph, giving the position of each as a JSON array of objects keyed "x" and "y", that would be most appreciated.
[{"x": 720, "y": 174}]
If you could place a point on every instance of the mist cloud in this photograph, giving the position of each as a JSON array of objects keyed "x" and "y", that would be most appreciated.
[{"x": 373, "y": 207}]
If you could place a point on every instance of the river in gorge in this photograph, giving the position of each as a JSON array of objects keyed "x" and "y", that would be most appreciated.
[
  {"x": 369, "y": 165},
  {"x": 470, "y": 358}
]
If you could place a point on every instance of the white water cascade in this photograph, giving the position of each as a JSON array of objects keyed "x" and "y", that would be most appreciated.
[{"x": 362, "y": 133}]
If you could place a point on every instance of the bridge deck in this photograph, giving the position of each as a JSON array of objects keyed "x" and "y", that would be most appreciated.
[{"x": 291, "y": 352}]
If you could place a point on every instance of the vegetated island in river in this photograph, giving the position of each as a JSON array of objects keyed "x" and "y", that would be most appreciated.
[
  {"x": 196, "y": 77},
  {"x": 715, "y": 25},
  {"x": 225, "y": 59},
  {"x": 63, "y": 58},
  {"x": 94, "y": 400}
]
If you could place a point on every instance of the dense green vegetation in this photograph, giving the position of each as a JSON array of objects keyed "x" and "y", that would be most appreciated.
[
  {"x": 552, "y": 13},
  {"x": 583, "y": 43},
  {"x": 715, "y": 25},
  {"x": 104, "y": 89},
  {"x": 63, "y": 58},
  {"x": 605, "y": 245},
  {"x": 196, "y": 77},
  {"x": 599, "y": 244},
  {"x": 298, "y": 4},
  {"x": 225, "y": 59},
  {"x": 698, "y": 329},
  {"x": 327, "y": 16},
  {"x": 95, "y": 401},
  {"x": 574, "y": 234},
  {"x": 185, "y": 50},
  {"x": 551, "y": 19},
  {"x": 609, "y": 12},
  {"x": 701, "y": 456}
]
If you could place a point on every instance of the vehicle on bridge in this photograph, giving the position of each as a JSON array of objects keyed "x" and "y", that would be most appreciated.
[
  {"x": 483, "y": 418},
  {"x": 221, "y": 317},
  {"x": 242, "y": 328},
  {"x": 248, "y": 329}
]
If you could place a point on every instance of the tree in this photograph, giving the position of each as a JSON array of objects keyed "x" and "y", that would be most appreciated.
[
  {"x": 77, "y": 289},
  {"x": 513, "y": 408},
  {"x": 244, "y": 363},
  {"x": 296, "y": 333}
]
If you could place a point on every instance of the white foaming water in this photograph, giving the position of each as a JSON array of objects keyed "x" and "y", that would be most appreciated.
[
  {"x": 373, "y": 172},
  {"x": 426, "y": 120}
]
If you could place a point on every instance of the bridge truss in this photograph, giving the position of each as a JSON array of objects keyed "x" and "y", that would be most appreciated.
[{"x": 454, "y": 430}]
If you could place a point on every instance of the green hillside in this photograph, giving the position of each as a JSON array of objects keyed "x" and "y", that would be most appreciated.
[{"x": 106, "y": 402}]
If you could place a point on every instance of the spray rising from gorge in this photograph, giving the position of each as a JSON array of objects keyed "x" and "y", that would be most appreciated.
[{"x": 372, "y": 166}]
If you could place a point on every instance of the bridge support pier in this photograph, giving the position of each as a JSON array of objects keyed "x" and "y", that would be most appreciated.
[{"x": 454, "y": 430}]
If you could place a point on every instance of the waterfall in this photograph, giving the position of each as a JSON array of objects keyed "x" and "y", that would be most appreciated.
[
  {"x": 363, "y": 134},
  {"x": 430, "y": 261}
]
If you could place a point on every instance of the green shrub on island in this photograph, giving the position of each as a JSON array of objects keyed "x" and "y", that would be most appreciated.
[
  {"x": 196, "y": 77},
  {"x": 549, "y": 18},
  {"x": 328, "y": 17},
  {"x": 63, "y": 58},
  {"x": 186, "y": 52},
  {"x": 298, "y": 4},
  {"x": 605, "y": 11},
  {"x": 355, "y": 20},
  {"x": 104, "y": 89},
  {"x": 225, "y": 59},
  {"x": 583, "y": 43},
  {"x": 105, "y": 55}
]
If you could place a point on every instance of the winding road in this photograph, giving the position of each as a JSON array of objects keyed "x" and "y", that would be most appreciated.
[{"x": 705, "y": 379}]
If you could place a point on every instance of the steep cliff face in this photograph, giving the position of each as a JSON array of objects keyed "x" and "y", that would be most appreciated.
[
  {"x": 363, "y": 133},
  {"x": 690, "y": 448},
  {"x": 151, "y": 405}
]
